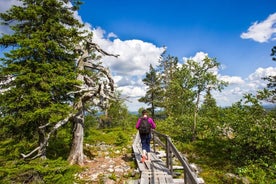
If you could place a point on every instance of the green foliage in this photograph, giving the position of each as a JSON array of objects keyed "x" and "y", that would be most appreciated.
[
  {"x": 179, "y": 128},
  {"x": 117, "y": 113},
  {"x": 10, "y": 149},
  {"x": 38, "y": 171},
  {"x": 121, "y": 139},
  {"x": 178, "y": 96},
  {"x": 234, "y": 145},
  {"x": 59, "y": 144},
  {"x": 40, "y": 68},
  {"x": 254, "y": 132},
  {"x": 154, "y": 94},
  {"x": 113, "y": 136}
]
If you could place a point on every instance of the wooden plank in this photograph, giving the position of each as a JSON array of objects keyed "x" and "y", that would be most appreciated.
[
  {"x": 153, "y": 171},
  {"x": 161, "y": 178},
  {"x": 160, "y": 166},
  {"x": 178, "y": 181},
  {"x": 144, "y": 178},
  {"x": 169, "y": 179},
  {"x": 156, "y": 178}
]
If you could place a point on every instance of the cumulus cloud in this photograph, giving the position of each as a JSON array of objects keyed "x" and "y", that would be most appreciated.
[
  {"x": 231, "y": 79},
  {"x": 238, "y": 87},
  {"x": 262, "y": 72},
  {"x": 135, "y": 57},
  {"x": 262, "y": 31},
  {"x": 199, "y": 57},
  {"x": 128, "y": 70}
]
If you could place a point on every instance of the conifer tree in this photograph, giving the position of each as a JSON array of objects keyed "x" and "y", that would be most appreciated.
[
  {"x": 167, "y": 67},
  {"x": 209, "y": 106},
  {"x": 179, "y": 96},
  {"x": 154, "y": 91},
  {"x": 166, "y": 70},
  {"x": 39, "y": 69}
]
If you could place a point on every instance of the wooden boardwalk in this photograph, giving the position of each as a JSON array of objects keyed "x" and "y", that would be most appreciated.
[{"x": 153, "y": 171}]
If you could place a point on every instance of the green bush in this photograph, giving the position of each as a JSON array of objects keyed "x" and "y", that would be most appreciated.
[{"x": 38, "y": 171}]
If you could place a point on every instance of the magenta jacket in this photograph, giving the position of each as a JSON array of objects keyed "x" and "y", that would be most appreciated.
[{"x": 153, "y": 125}]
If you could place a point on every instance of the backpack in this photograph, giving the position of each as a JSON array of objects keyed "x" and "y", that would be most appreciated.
[{"x": 145, "y": 126}]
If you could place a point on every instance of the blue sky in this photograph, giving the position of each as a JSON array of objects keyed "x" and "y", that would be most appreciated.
[
  {"x": 223, "y": 29},
  {"x": 238, "y": 33},
  {"x": 189, "y": 26}
]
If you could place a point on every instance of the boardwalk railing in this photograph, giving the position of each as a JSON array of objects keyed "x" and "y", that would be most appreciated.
[
  {"x": 152, "y": 171},
  {"x": 190, "y": 176}
]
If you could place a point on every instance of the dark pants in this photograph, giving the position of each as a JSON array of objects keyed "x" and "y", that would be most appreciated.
[{"x": 145, "y": 141}]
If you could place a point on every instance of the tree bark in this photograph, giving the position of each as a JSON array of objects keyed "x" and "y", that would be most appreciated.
[
  {"x": 195, "y": 117},
  {"x": 76, "y": 155},
  {"x": 90, "y": 89},
  {"x": 42, "y": 146}
]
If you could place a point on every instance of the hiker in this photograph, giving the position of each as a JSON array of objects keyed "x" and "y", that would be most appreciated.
[{"x": 144, "y": 125}]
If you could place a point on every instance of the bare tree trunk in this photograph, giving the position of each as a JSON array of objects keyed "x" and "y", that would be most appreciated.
[
  {"x": 195, "y": 117},
  {"x": 91, "y": 89},
  {"x": 42, "y": 146},
  {"x": 76, "y": 155}
]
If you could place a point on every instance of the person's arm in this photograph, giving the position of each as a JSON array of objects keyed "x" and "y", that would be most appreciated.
[{"x": 138, "y": 123}]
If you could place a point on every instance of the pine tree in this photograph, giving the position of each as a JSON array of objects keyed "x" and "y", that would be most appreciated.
[
  {"x": 154, "y": 92},
  {"x": 40, "y": 66},
  {"x": 179, "y": 96}
]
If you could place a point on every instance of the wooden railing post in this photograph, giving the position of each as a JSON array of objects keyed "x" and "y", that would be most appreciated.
[
  {"x": 169, "y": 154},
  {"x": 153, "y": 138},
  {"x": 190, "y": 177}
]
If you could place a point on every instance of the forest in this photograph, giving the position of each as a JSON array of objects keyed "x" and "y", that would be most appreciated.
[{"x": 57, "y": 101}]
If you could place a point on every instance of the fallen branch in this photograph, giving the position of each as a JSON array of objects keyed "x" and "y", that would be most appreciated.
[{"x": 46, "y": 140}]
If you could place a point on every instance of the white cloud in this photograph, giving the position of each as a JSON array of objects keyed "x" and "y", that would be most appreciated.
[
  {"x": 262, "y": 31},
  {"x": 238, "y": 87},
  {"x": 199, "y": 57},
  {"x": 136, "y": 56},
  {"x": 262, "y": 72},
  {"x": 231, "y": 79}
]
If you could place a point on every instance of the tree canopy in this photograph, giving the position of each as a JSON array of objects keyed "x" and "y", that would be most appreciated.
[{"x": 40, "y": 65}]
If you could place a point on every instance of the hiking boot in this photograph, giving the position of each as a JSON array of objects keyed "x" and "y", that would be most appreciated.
[{"x": 143, "y": 159}]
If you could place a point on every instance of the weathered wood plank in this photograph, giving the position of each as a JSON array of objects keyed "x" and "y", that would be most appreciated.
[
  {"x": 144, "y": 178},
  {"x": 153, "y": 171}
]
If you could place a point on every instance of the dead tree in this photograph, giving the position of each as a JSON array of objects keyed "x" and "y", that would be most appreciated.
[{"x": 97, "y": 89}]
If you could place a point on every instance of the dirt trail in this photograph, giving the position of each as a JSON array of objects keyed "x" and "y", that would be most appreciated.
[{"x": 109, "y": 166}]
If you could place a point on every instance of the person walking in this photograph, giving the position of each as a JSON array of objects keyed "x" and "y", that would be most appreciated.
[{"x": 144, "y": 125}]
